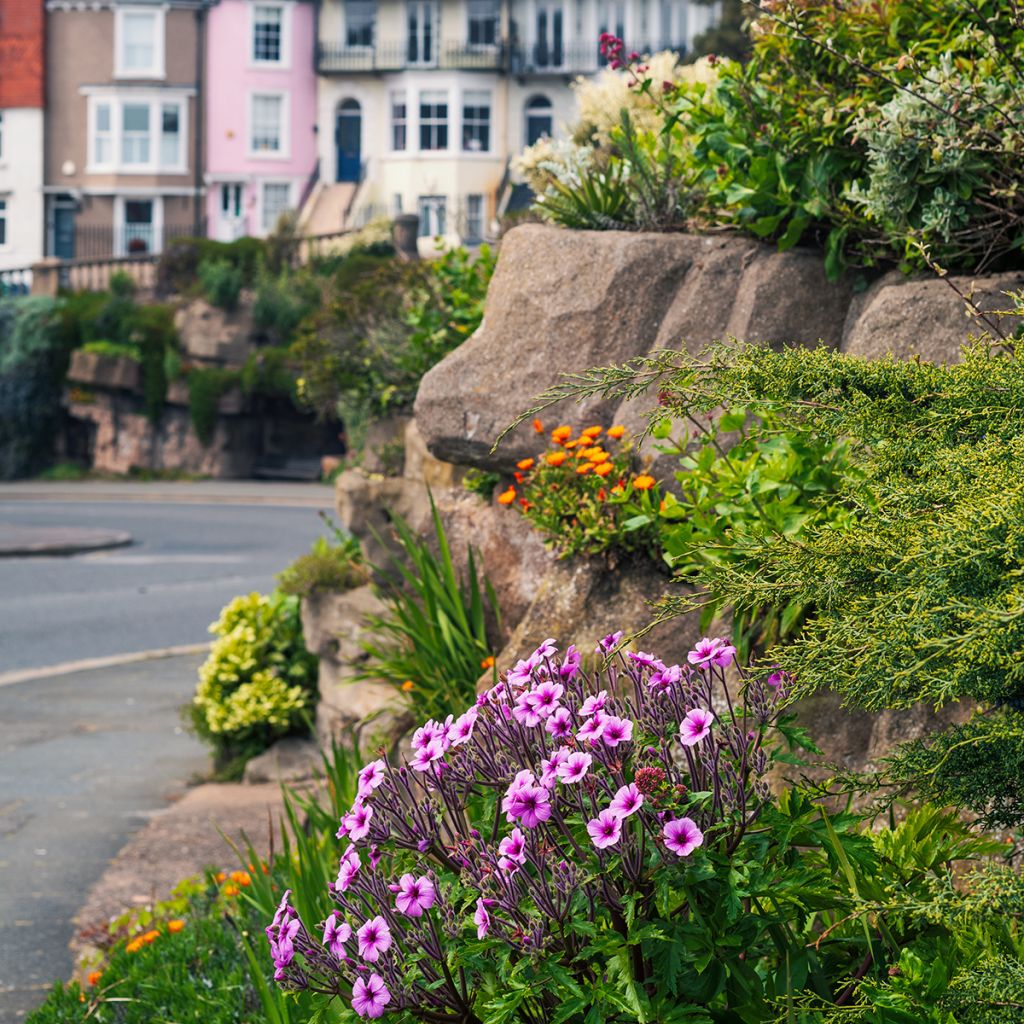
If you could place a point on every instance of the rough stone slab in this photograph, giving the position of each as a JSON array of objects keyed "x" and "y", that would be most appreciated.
[
  {"x": 25, "y": 541},
  {"x": 100, "y": 371},
  {"x": 559, "y": 302},
  {"x": 182, "y": 841},
  {"x": 289, "y": 760},
  {"x": 924, "y": 317},
  {"x": 210, "y": 334}
]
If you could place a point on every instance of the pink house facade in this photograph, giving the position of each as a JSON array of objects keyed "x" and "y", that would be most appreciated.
[{"x": 261, "y": 109}]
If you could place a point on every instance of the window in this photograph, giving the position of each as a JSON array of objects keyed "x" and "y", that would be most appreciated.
[
  {"x": 399, "y": 121},
  {"x": 231, "y": 200},
  {"x": 474, "y": 218},
  {"x": 103, "y": 137},
  {"x": 170, "y": 135},
  {"x": 267, "y": 34},
  {"x": 433, "y": 120},
  {"x": 276, "y": 200},
  {"x": 421, "y": 20},
  {"x": 673, "y": 25},
  {"x": 483, "y": 23},
  {"x": 139, "y": 41},
  {"x": 135, "y": 134},
  {"x": 140, "y": 231},
  {"x": 539, "y": 122},
  {"x": 3, "y": 221},
  {"x": 548, "y": 51},
  {"x": 612, "y": 18},
  {"x": 432, "y": 210},
  {"x": 142, "y": 135},
  {"x": 267, "y": 133},
  {"x": 360, "y": 21},
  {"x": 476, "y": 122}
]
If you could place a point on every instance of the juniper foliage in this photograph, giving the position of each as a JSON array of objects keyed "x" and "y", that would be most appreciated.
[{"x": 919, "y": 594}]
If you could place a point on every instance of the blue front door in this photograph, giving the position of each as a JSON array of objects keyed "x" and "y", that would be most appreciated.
[
  {"x": 347, "y": 133},
  {"x": 64, "y": 232}
]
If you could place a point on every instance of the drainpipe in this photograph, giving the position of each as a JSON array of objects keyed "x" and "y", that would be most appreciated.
[{"x": 197, "y": 201}]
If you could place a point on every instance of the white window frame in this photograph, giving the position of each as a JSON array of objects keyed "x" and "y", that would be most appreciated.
[
  {"x": 483, "y": 47},
  {"x": 120, "y": 249},
  {"x": 289, "y": 184},
  {"x": 448, "y": 122},
  {"x": 285, "y": 61},
  {"x": 400, "y": 96},
  {"x": 158, "y": 68},
  {"x": 156, "y": 101},
  {"x": 431, "y": 205},
  {"x": 284, "y": 153},
  {"x": 463, "y": 149},
  {"x": 373, "y": 33}
]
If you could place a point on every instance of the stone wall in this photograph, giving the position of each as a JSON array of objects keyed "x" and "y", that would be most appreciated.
[{"x": 561, "y": 302}]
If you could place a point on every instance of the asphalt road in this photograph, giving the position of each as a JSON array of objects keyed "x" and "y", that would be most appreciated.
[
  {"x": 162, "y": 591},
  {"x": 86, "y": 757}
]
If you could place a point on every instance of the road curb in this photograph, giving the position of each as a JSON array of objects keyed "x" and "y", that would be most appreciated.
[
  {"x": 67, "y": 668},
  {"x": 41, "y": 541}
]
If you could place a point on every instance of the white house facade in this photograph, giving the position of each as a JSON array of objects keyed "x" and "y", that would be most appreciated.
[
  {"x": 21, "y": 192},
  {"x": 423, "y": 103}
]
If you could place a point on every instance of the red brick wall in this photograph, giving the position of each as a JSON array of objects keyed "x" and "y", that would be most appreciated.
[{"x": 22, "y": 45}]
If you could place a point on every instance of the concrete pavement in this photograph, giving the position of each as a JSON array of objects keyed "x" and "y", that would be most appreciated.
[
  {"x": 203, "y": 492},
  {"x": 85, "y": 760},
  {"x": 29, "y": 541}
]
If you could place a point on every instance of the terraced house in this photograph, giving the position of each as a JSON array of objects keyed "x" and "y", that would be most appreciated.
[
  {"x": 124, "y": 158},
  {"x": 422, "y": 103},
  {"x": 22, "y": 94}
]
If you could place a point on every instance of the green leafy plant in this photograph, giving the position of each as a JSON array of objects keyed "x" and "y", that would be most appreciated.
[
  {"x": 326, "y": 569},
  {"x": 221, "y": 281},
  {"x": 432, "y": 643},
  {"x": 206, "y": 387},
  {"x": 114, "y": 349},
  {"x": 481, "y": 483},
  {"x": 259, "y": 681},
  {"x": 283, "y": 302}
]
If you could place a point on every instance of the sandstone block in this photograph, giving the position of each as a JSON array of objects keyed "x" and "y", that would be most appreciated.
[
  {"x": 923, "y": 317},
  {"x": 559, "y": 302},
  {"x": 99, "y": 371},
  {"x": 289, "y": 760},
  {"x": 213, "y": 335}
]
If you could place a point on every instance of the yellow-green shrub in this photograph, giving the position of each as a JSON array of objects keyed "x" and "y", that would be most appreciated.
[{"x": 259, "y": 681}]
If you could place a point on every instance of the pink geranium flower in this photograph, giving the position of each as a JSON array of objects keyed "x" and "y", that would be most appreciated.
[
  {"x": 682, "y": 836},
  {"x": 482, "y": 919},
  {"x": 531, "y": 806},
  {"x": 559, "y": 724},
  {"x": 628, "y": 800},
  {"x": 374, "y": 938},
  {"x": 606, "y": 829},
  {"x": 370, "y": 996},
  {"x": 695, "y": 726},
  {"x": 594, "y": 703},
  {"x": 462, "y": 730},
  {"x": 357, "y": 821},
  {"x": 348, "y": 867},
  {"x": 549, "y": 767},
  {"x": 427, "y": 755},
  {"x": 711, "y": 652},
  {"x": 574, "y": 767},
  {"x": 414, "y": 895},
  {"x": 370, "y": 777},
  {"x": 513, "y": 846},
  {"x": 336, "y": 934},
  {"x": 616, "y": 730},
  {"x": 591, "y": 730}
]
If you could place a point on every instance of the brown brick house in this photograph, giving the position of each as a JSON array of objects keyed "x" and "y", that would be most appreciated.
[{"x": 123, "y": 151}]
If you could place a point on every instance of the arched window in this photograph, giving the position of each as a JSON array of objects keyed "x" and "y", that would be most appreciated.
[{"x": 539, "y": 119}]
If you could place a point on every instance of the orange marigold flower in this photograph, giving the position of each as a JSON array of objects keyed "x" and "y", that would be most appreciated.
[
  {"x": 94, "y": 977},
  {"x": 175, "y": 926},
  {"x": 662, "y": 505},
  {"x": 604, "y": 469},
  {"x": 643, "y": 482},
  {"x": 488, "y": 662},
  {"x": 561, "y": 434},
  {"x": 602, "y": 495},
  {"x": 524, "y": 464},
  {"x": 555, "y": 458},
  {"x": 134, "y": 946},
  {"x": 519, "y": 477},
  {"x": 585, "y": 468},
  {"x": 241, "y": 878},
  {"x": 150, "y": 937},
  {"x": 571, "y": 444},
  {"x": 526, "y": 504},
  {"x": 219, "y": 877},
  {"x": 507, "y": 497},
  {"x": 408, "y": 685},
  {"x": 231, "y": 890},
  {"x": 616, "y": 432},
  {"x": 618, "y": 489},
  {"x": 592, "y": 432},
  {"x": 538, "y": 426}
]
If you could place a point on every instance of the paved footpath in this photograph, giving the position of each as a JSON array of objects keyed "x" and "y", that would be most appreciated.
[{"x": 85, "y": 760}]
